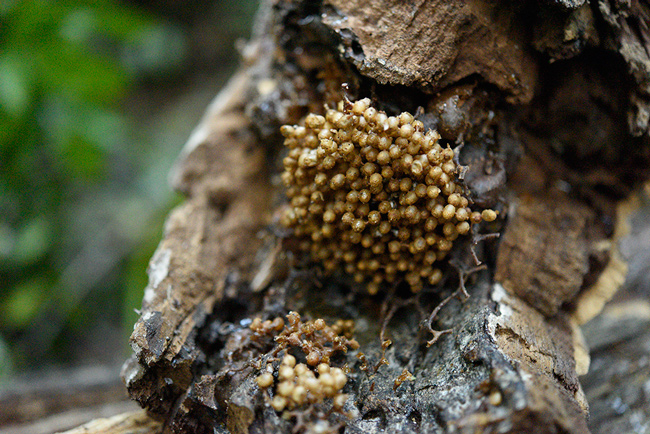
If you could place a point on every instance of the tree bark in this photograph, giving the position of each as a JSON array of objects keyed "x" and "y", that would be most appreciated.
[{"x": 551, "y": 103}]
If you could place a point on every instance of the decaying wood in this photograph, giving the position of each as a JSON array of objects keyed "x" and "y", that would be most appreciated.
[
  {"x": 553, "y": 146},
  {"x": 73, "y": 417},
  {"x": 208, "y": 248},
  {"x": 35, "y": 397},
  {"x": 535, "y": 264},
  {"x": 61, "y": 399},
  {"x": 126, "y": 423},
  {"x": 617, "y": 385},
  {"x": 435, "y": 44}
]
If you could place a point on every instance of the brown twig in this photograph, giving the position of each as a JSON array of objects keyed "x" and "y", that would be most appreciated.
[{"x": 477, "y": 238}]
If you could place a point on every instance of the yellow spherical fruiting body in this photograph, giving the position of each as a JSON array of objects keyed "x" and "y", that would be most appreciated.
[
  {"x": 375, "y": 195},
  {"x": 300, "y": 384}
]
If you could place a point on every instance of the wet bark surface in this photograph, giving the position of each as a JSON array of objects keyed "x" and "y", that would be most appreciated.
[{"x": 552, "y": 140}]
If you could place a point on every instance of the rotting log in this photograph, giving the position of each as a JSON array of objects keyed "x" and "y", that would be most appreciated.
[
  {"x": 135, "y": 422},
  {"x": 550, "y": 101},
  {"x": 617, "y": 385},
  {"x": 56, "y": 400}
]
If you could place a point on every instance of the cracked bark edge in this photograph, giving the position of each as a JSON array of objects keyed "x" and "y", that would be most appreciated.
[{"x": 209, "y": 244}]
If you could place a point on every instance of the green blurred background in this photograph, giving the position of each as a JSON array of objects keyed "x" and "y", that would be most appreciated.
[{"x": 96, "y": 101}]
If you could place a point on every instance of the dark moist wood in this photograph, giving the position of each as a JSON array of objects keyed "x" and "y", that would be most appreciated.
[{"x": 511, "y": 359}]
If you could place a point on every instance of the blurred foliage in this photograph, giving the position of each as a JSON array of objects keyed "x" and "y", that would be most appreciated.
[{"x": 82, "y": 193}]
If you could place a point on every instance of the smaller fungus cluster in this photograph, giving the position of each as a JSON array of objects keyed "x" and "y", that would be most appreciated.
[
  {"x": 318, "y": 341},
  {"x": 315, "y": 380},
  {"x": 298, "y": 384},
  {"x": 376, "y": 194}
]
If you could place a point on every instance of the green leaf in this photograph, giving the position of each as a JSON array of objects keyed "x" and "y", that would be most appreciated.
[
  {"x": 83, "y": 158},
  {"x": 108, "y": 129},
  {"x": 119, "y": 21},
  {"x": 77, "y": 73},
  {"x": 15, "y": 86},
  {"x": 7, "y": 240},
  {"x": 79, "y": 25},
  {"x": 6, "y": 6},
  {"x": 33, "y": 241},
  {"x": 9, "y": 131},
  {"x": 23, "y": 303},
  {"x": 32, "y": 23},
  {"x": 6, "y": 361}
]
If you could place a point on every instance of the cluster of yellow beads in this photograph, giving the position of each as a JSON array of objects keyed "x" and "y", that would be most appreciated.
[
  {"x": 298, "y": 384},
  {"x": 374, "y": 193}
]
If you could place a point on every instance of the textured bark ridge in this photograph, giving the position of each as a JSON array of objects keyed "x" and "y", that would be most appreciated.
[
  {"x": 552, "y": 140},
  {"x": 434, "y": 44}
]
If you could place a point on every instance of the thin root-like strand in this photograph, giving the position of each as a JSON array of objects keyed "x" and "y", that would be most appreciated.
[
  {"x": 437, "y": 334},
  {"x": 427, "y": 323},
  {"x": 477, "y": 238}
]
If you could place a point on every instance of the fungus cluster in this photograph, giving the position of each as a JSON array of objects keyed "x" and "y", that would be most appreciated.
[
  {"x": 298, "y": 384},
  {"x": 375, "y": 194},
  {"x": 315, "y": 380}
]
